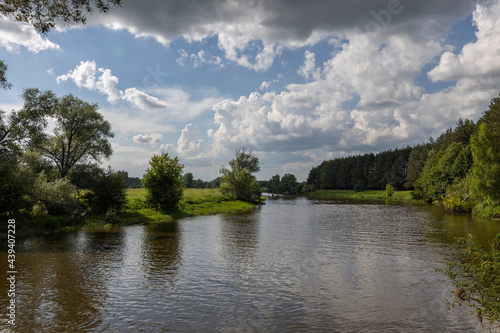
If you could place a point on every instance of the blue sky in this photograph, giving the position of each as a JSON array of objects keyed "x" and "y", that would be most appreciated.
[{"x": 295, "y": 83}]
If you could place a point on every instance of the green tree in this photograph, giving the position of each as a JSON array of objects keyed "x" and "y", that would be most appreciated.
[
  {"x": 29, "y": 122},
  {"x": 477, "y": 281},
  {"x": 274, "y": 183},
  {"x": 239, "y": 183},
  {"x": 188, "y": 180},
  {"x": 80, "y": 136},
  {"x": 163, "y": 182},
  {"x": 43, "y": 15},
  {"x": 486, "y": 168},
  {"x": 107, "y": 191},
  {"x": 244, "y": 160},
  {"x": 360, "y": 186},
  {"x": 441, "y": 169}
]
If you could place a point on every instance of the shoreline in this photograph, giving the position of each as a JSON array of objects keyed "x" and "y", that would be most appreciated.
[{"x": 195, "y": 202}]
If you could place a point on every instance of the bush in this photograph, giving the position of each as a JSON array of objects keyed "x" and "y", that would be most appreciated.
[
  {"x": 477, "y": 282},
  {"x": 458, "y": 197},
  {"x": 163, "y": 182},
  {"x": 107, "y": 191},
  {"x": 54, "y": 198},
  {"x": 389, "y": 191},
  {"x": 360, "y": 186}
]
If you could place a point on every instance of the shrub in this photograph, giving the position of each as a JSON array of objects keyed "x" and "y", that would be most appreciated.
[
  {"x": 54, "y": 198},
  {"x": 389, "y": 191},
  {"x": 477, "y": 281},
  {"x": 107, "y": 191}
]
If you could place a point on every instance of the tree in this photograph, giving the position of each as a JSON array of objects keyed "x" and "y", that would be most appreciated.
[
  {"x": 43, "y": 15},
  {"x": 107, "y": 191},
  {"x": 441, "y": 169},
  {"x": 188, "y": 180},
  {"x": 163, "y": 182},
  {"x": 239, "y": 183},
  {"x": 274, "y": 183},
  {"x": 29, "y": 122},
  {"x": 245, "y": 160},
  {"x": 486, "y": 168},
  {"x": 80, "y": 136}
]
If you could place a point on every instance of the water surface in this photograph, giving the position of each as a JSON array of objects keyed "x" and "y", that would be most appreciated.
[{"x": 293, "y": 265}]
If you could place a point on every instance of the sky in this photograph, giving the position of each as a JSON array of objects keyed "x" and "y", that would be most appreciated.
[{"x": 296, "y": 82}]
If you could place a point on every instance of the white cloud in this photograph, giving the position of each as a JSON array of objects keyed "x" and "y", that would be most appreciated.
[
  {"x": 143, "y": 100},
  {"x": 152, "y": 139},
  {"x": 189, "y": 145},
  {"x": 14, "y": 35},
  {"x": 476, "y": 60},
  {"x": 308, "y": 70},
  {"x": 85, "y": 74}
]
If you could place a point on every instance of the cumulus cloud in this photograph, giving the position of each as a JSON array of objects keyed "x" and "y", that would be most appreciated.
[
  {"x": 152, "y": 139},
  {"x": 189, "y": 145},
  {"x": 364, "y": 97},
  {"x": 88, "y": 76},
  {"x": 14, "y": 35},
  {"x": 253, "y": 33},
  {"x": 478, "y": 59}
]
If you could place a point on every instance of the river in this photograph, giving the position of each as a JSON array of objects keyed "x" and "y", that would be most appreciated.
[{"x": 292, "y": 265}]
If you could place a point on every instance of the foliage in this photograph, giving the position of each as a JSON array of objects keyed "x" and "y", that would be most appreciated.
[
  {"x": 487, "y": 210},
  {"x": 239, "y": 183},
  {"x": 459, "y": 197},
  {"x": 416, "y": 162},
  {"x": 286, "y": 185},
  {"x": 43, "y": 15},
  {"x": 107, "y": 191},
  {"x": 14, "y": 184},
  {"x": 80, "y": 136},
  {"x": 54, "y": 197},
  {"x": 163, "y": 182},
  {"x": 3, "y": 76},
  {"x": 486, "y": 169},
  {"x": 374, "y": 170},
  {"x": 441, "y": 169},
  {"x": 29, "y": 122},
  {"x": 477, "y": 282},
  {"x": 188, "y": 180},
  {"x": 360, "y": 186},
  {"x": 244, "y": 160},
  {"x": 389, "y": 191}
]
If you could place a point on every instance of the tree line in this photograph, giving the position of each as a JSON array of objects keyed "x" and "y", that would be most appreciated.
[{"x": 461, "y": 168}]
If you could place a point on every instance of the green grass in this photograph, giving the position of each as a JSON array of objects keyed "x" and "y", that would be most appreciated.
[
  {"x": 195, "y": 202},
  {"x": 369, "y": 194}
]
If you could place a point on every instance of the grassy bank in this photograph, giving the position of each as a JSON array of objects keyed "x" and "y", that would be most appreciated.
[
  {"x": 351, "y": 194},
  {"x": 195, "y": 202}
]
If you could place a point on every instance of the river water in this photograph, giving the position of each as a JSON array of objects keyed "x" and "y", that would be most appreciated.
[{"x": 292, "y": 265}]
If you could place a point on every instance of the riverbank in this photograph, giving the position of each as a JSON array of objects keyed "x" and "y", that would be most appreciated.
[
  {"x": 351, "y": 194},
  {"x": 195, "y": 202}
]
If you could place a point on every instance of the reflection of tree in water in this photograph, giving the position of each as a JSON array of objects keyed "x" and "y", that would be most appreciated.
[
  {"x": 240, "y": 236},
  {"x": 63, "y": 280},
  {"x": 161, "y": 251}
]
